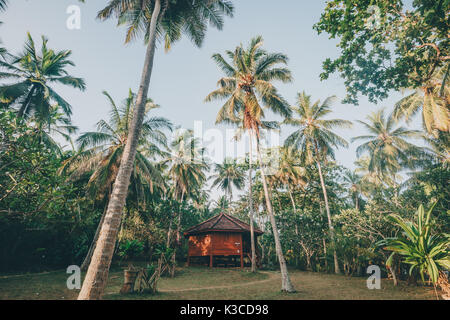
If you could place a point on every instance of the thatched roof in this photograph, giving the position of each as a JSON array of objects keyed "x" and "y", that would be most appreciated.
[{"x": 221, "y": 223}]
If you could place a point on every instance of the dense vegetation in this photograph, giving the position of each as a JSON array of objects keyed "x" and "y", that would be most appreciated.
[{"x": 317, "y": 215}]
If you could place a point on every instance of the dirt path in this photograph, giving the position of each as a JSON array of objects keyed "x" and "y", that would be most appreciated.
[
  {"x": 272, "y": 276},
  {"x": 31, "y": 274}
]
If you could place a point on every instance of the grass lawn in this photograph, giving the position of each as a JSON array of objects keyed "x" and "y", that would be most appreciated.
[{"x": 226, "y": 284}]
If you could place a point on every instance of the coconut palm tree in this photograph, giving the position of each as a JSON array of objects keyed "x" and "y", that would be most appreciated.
[
  {"x": 100, "y": 153},
  {"x": 34, "y": 74},
  {"x": 352, "y": 181},
  {"x": 433, "y": 98},
  {"x": 249, "y": 91},
  {"x": 387, "y": 146},
  {"x": 187, "y": 168},
  {"x": 3, "y": 4},
  {"x": 439, "y": 148},
  {"x": 227, "y": 175},
  {"x": 154, "y": 19},
  {"x": 315, "y": 141},
  {"x": 290, "y": 173},
  {"x": 222, "y": 203},
  {"x": 370, "y": 180},
  {"x": 58, "y": 124}
]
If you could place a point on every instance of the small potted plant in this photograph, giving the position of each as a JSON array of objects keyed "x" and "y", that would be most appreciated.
[{"x": 128, "y": 251}]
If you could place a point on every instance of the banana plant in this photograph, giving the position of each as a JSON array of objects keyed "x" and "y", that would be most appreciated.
[{"x": 419, "y": 248}]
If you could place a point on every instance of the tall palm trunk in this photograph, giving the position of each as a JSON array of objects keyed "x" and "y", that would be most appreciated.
[
  {"x": 87, "y": 259},
  {"x": 169, "y": 233},
  {"x": 172, "y": 271},
  {"x": 252, "y": 231},
  {"x": 330, "y": 225},
  {"x": 294, "y": 207},
  {"x": 286, "y": 284},
  {"x": 97, "y": 274}
]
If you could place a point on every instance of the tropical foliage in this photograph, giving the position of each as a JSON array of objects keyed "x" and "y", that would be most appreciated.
[
  {"x": 418, "y": 247},
  {"x": 33, "y": 73},
  {"x": 387, "y": 145},
  {"x": 127, "y": 190},
  {"x": 248, "y": 90}
]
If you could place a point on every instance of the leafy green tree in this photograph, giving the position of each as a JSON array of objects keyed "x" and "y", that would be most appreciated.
[
  {"x": 34, "y": 73},
  {"x": 315, "y": 140},
  {"x": 385, "y": 45},
  {"x": 249, "y": 91},
  {"x": 148, "y": 18},
  {"x": 45, "y": 220},
  {"x": 358, "y": 233}
]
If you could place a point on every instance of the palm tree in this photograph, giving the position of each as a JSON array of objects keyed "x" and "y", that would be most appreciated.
[
  {"x": 387, "y": 146},
  {"x": 249, "y": 90},
  {"x": 222, "y": 203},
  {"x": 187, "y": 171},
  {"x": 3, "y": 4},
  {"x": 290, "y": 173},
  {"x": 227, "y": 175},
  {"x": 149, "y": 17},
  {"x": 100, "y": 154},
  {"x": 58, "y": 124},
  {"x": 353, "y": 183},
  {"x": 34, "y": 74},
  {"x": 370, "y": 180},
  {"x": 433, "y": 98},
  {"x": 315, "y": 140},
  {"x": 439, "y": 148}
]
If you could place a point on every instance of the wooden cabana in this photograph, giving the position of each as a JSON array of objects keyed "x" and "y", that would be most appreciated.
[{"x": 222, "y": 240}]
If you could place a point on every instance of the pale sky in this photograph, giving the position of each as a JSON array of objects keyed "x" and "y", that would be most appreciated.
[{"x": 183, "y": 77}]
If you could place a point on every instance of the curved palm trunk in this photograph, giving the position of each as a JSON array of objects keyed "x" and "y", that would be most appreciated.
[
  {"x": 286, "y": 284},
  {"x": 97, "y": 274},
  {"x": 87, "y": 259},
  {"x": 252, "y": 232},
  {"x": 330, "y": 225}
]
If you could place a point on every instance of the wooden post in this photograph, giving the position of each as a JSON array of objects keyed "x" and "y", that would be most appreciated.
[
  {"x": 211, "y": 251},
  {"x": 188, "y": 260},
  {"x": 242, "y": 253}
]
